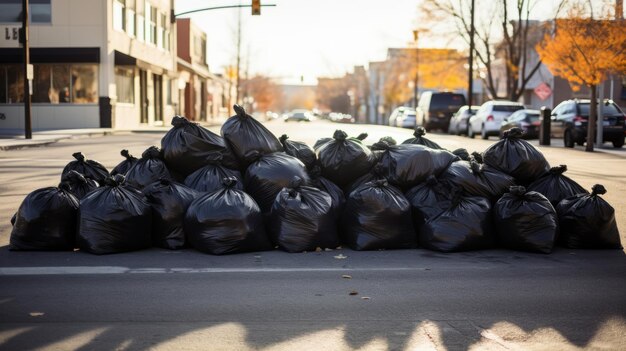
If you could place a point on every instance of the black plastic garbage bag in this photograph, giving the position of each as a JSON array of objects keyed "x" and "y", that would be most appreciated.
[
  {"x": 336, "y": 194},
  {"x": 148, "y": 169},
  {"x": 429, "y": 198},
  {"x": 302, "y": 219},
  {"x": 46, "y": 220},
  {"x": 344, "y": 159},
  {"x": 169, "y": 201},
  {"x": 377, "y": 172},
  {"x": 478, "y": 180},
  {"x": 587, "y": 221},
  {"x": 299, "y": 150},
  {"x": 525, "y": 221},
  {"x": 226, "y": 221},
  {"x": 247, "y": 138},
  {"x": 128, "y": 162},
  {"x": 377, "y": 216},
  {"x": 556, "y": 186},
  {"x": 187, "y": 147},
  {"x": 516, "y": 157},
  {"x": 420, "y": 140},
  {"x": 462, "y": 153},
  {"x": 407, "y": 165},
  {"x": 466, "y": 224},
  {"x": 89, "y": 168},
  {"x": 114, "y": 218},
  {"x": 267, "y": 176},
  {"x": 79, "y": 185},
  {"x": 210, "y": 177},
  {"x": 322, "y": 141}
]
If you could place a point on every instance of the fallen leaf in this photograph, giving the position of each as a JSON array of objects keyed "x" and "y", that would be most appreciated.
[
  {"x": 341, "y": 257},
  {"x": 318, "y": 249},
  {"x": 345, "y": 276},
  {"x": 353, "y": 292},
  {"x": 365, "y": 298},
  {"x": 327, "y": 249},
  {"x": 36, "y": 314}
]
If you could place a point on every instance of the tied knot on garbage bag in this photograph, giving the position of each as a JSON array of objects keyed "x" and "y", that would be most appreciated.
[
  {"x": 419, "y": 132},
  {"x": 74, "y": 177},
  {"x": 116, "y": 180},
  {"x": 229, "y": 182},
  {"x": 127, "y": 155},
  {"x": 513, "y": 133},
  {"x": 240, "y": 111},
  {"x": 362, "y": 136},
  {"x": 475, "y": 166},
  {"x": 151, "y": 152},
  {"x": 598, "y": 189},
  {"x": 79, "y": 156},
  {"x": 560, "y": 169},
  {"x": 517, "y": 190},
  {"x": 340, "y": 135},
  {"x": 477, "y": 156},
  {"x": 380, "y": 183},
  {"x": 179, "y": 121},
  {"x": 381, "y": 145},
  {"x": 462, "y": 153},
  {"x": 65, "y": 186},
  {"x": 283, "y": 138}
]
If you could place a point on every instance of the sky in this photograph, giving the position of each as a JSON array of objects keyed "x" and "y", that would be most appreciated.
[{"x": 300, "y": 40}]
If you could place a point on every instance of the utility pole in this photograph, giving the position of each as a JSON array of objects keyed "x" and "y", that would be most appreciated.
[
  {"x": 470, "y": 83},
  {"x": 28, "y": 129},
  {"x": 417, "y": 67},
  {"x": 238, "y": 58}
]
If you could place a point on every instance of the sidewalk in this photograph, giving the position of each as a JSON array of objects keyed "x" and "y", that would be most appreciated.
[{"x": 15, "y": 139}]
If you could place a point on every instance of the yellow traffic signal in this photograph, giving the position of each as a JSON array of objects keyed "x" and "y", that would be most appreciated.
[{"x": 256, "y": 7}]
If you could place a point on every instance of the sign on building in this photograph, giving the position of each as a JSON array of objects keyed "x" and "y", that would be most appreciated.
[
  {"x": 543, "y": 91},
  {"x": 10, "y": 36}
]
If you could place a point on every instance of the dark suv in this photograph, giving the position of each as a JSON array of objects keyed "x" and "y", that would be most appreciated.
[
  {"x": 569, "y": 121},
  {"x": 435, "y": 109}
]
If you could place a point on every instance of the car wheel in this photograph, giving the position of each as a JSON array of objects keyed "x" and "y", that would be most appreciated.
[
  {"x": 618, "y": 143},
  {"x": 568, "y": 141},
  {"x": 483, "y": 133},
  {"x": 470, "y": 132}
]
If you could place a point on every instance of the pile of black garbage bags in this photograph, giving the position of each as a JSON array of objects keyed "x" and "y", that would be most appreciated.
[{"x": 247, "y": 190}]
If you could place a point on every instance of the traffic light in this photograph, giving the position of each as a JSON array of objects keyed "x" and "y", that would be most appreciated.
[{"x": 256, "y": 7}]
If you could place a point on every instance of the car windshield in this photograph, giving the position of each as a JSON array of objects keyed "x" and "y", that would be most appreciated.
[
  {"x": 409, "y": 114},
  {"x": 507, "y": 108},
  {"x": 532, "y": 117},
  {"x": 446, "y": 101},
  {"x": 609, "y": 109}
]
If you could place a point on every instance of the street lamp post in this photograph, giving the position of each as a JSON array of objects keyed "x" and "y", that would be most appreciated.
[
  {"x": 417, "y": 67},
  {"x": 28, "y": 130},
  {"x": 470, "y": 84}
]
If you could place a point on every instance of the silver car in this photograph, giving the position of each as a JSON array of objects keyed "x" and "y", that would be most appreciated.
[
  {"x": 459, "y": 121},
  {"x": 489, "y": 117}
]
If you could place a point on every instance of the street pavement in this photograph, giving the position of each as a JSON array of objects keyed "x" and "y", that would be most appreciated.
[{"x": 334, "y": 300}]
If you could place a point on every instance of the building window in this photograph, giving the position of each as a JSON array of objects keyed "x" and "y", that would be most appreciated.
[
  {"x": 119, "y": 15},
  {"x": 150, "y": 24},
  {"x": 130, "y": 22},
  {"x": 161, "y": 32},
  {"x": 125, "y": 84},
  {"x": 51, "y": 84},
  {"x": 11, "y": 11}
]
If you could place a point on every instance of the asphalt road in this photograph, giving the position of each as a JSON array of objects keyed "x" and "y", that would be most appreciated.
[{"x": 407, "y": 299}]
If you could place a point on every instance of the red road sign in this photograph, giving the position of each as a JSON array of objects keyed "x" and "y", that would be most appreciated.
[{"x": 543, "y": 91}]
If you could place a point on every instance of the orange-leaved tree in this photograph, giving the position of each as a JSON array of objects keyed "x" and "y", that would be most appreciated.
[{"x": 584, "y": 51}]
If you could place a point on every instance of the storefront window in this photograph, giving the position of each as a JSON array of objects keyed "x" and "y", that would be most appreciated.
[
  {"x": 84, "y": 84},
  {"x": 51, "y": 84},
  {"x": 125, "y": 84},
  {"x": 3, "y": 84},
  {"x": 15, "y": 84}
]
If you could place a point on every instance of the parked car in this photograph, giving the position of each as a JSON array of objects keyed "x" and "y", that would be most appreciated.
[
  {"x": 489, "y": 116},
  {"x": 569, "y": 121},
  {"x": 341, "y": 117},
  {"x": 459, "y": 121},
  {"x": 527, "y": 120},
  {"x": 435, "y": 109},
  {"x": 397, "y": 112},
  {"x": 406, "y": 119},
  {"x": 299, "y": 116}
]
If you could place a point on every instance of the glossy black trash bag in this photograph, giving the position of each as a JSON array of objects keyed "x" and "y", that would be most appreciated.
[
  {"x": 209, "y": 178},
  {"x": 302, "y": 219},
  {"x": 187, "y": 147},
  {"x": 344, "y": 159},
  {"x": 335, "y": 192},
  {"x": 79, "y": 185},
  {"x": 299, "y": 150},
  {"x": 587, "y": 221},
  {"x": 148, "y": 169},
  {"x": 525, "y": 221},
  {"x": 114, "y": 218},
  {"x": 268, "y": 175},
  {"x": 128, "y": 162},
  {"x": 247, "y": 138},
  {"x": 407, "y": 165},
  {"x": 226, "y": 221},
  {"x": 46, "y": 220},
  {"x": 89, "y": 168},
  {"x": 556, "y": 186},
  {"x": 516, "y": 157},
  {"x": 428, "y": 198},
  {"x": 169, "y": 201},
  {"x": 377, "y": 216},
  {"x": 420, "y": 140},
  {"x": 462, "y": 223},
  {"x": 479, "y": 180}
]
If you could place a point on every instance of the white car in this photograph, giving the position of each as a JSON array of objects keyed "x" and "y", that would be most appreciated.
[
  {"x": 489, "y": 117},
  {"x": 397, "y": 113}
]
